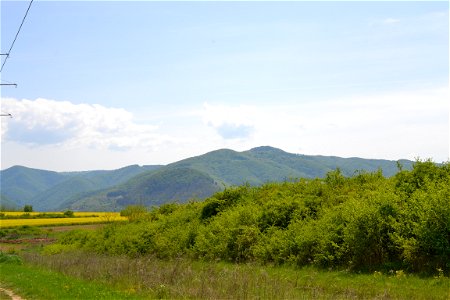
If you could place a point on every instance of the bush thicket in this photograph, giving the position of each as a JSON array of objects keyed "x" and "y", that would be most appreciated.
[{"x": 363, "y": 222}]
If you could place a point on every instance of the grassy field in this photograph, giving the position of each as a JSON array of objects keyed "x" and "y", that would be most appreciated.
[
  {"x": 79, "y": 218},
  {"x": 80, "y": 275},
  {"x": 30, "y": 238},
  {"x": 37, "y": 283}
]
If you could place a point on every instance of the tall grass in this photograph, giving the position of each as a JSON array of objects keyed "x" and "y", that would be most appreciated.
[
  {"x": 182, "y": 278},
  {"x": 31, "y": 282}
]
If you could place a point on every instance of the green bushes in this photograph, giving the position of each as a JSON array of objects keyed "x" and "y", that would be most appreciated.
[
  {"x": 134, "y": 212},
  {"x": 364, "y": 222},
  {"x": 10, "y": 259}
]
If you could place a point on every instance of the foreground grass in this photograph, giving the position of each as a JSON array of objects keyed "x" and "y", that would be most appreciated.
[
  {"x": 186, "y": 279},
  {"x": 31, "y": 282}
]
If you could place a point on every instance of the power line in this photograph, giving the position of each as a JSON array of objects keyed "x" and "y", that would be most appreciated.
[
  {"x": 17, "y": 34},
  {"x": 7, "y": 83}
]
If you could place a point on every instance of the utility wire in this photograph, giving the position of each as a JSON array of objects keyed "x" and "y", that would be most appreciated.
[
  {"x": 7, "y": 83},
  {"x": 20, "y": 27}
]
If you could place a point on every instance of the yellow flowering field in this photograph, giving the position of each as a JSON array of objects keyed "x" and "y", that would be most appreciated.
[
  {"x": 76, "y": 213},
  {"x": 19, "y": 213},
  {"x": 80, "y": 218}
]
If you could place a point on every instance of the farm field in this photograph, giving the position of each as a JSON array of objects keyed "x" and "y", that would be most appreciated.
[
  {"x": 78, "y": 218},
  {"x": 76, "y": 213}
]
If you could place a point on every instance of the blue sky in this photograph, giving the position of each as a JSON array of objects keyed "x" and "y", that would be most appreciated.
[{"x": 105, "y": 84}]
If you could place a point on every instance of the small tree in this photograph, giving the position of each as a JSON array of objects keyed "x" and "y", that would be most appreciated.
[
  {"x": 69, "y": 214},
  {"x": 28, "y": 208}
]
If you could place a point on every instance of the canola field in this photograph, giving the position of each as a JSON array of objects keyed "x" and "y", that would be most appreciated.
[{"x": 79, "y": 218}]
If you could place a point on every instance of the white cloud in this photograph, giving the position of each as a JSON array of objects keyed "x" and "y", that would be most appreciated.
[
  {"x": 46, "y": 133},
  {"x": 230, "y": 122},
  {"x": 49, "y": 122},
  {"x": 392, "y": 126}
]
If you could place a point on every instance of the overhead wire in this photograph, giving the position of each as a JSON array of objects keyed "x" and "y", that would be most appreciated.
[{"x": 17, "y": 34}]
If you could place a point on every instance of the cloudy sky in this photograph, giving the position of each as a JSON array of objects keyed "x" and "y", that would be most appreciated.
[{"x": 104, "y": 84}]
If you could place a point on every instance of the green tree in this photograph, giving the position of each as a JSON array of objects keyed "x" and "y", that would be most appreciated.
[{"x": 28, "y": 208}]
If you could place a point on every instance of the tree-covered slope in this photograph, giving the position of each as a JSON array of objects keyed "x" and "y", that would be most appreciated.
[
  {"x": 159, "y": 184},
  {"x": 226, "y": 168},
  {"x": 151, "y": 188},
  {"x": 268, "y": 164},
  {"x": 6, "y": 204},
  {"x": 56, "y": 197},
  {"x": 21, "y": 184},
  {"x": 48, "y": 190},
  {"x": 235, "y": 168},
  {"x": 313, "y": 166}
]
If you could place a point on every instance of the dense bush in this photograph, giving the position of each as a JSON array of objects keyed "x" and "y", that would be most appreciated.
[{"x": 363, "y": 222}]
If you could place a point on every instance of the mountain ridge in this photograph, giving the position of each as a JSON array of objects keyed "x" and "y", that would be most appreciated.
[{"x": 195, "y": 177}]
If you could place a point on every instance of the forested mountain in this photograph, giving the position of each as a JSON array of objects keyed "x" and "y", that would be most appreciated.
[
  {"x": 150, "y": 189},
  {"x": 264, "y": 164},
  {"x": 195, "y": 177},
  {"x": 20, "y": 184},
  {"x": 201, "y": 176},
  {"x": 47, "y": 190},
  {"x": 6, "y": 204}
]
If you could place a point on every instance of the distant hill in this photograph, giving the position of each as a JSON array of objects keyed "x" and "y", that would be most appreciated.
[
  {"x": 7, "y": 205},
  {"x": 201, "y": 176},
  {"x": 46, "y": 190},
  {"x": 263, "y": 164},
  {"x": 150, "y": 189},
  {"x": 195, "y": 177},
  {"x": 20, "y": 184}
]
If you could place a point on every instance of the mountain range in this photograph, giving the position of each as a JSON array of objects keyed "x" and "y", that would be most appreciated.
[{"x": 192, "y": 178}]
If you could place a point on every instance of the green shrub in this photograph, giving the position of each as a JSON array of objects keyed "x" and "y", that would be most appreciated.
[
  {"x": 365, "y": 222},
  {"x": 69, "y": 214},
  {"x": 10, "y": 259},
  {"x": 134, "y": 212}
]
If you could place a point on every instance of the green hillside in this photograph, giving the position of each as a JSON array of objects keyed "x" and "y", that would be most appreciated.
[
  {"x": 268, "y": 164},
  {"x": 6, "y": 204},
  {"x": 313, "y": 166},
  {"x": 150, "y": 189},
  {"x": 21, "y": 184},
  {"x": 195, "y": 177},
  {"x": 82, "y": 182},
  {"x": 235, "y": 168},
  {"x": 217, "y": 169},
  {"x": 51, "y": 198},
  {"x": 48, "y": 190}
]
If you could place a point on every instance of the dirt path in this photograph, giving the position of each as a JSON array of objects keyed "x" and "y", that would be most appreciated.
[{"x": 10, "y": 294}]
